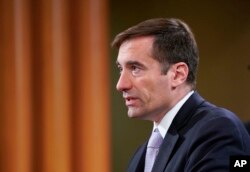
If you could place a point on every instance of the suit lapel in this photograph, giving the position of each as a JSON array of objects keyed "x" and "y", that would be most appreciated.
[
  {"x": 165, "y": 151},
  {"x": 173, "y": 135},
  {"x": 138, "y": 161}
]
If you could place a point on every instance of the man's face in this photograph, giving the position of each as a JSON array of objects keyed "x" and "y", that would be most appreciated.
[{"x": 147, "y": 92}]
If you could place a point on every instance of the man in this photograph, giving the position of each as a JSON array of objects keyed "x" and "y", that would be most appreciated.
[{"x": 158, "y": 61}]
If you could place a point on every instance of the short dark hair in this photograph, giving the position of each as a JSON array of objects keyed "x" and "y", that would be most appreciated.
[{"x": 173, "y": 42}]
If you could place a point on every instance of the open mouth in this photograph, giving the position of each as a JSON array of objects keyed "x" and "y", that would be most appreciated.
[{"x": 130, "y": 101}]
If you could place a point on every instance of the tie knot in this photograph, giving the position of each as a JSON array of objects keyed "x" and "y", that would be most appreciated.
[{"x": 155, "y": 139}]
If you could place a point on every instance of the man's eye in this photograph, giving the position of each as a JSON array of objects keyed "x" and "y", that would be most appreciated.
[{"x": 135, "y": 69}]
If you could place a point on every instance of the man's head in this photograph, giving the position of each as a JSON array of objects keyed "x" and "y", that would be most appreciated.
[
  {"x": 158, "y": 61},
  {"x": 173, "y": 42}
]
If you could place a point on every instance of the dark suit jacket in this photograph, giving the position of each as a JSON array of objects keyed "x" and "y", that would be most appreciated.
[
  {"x": 247, "y": 125},
  {"x": 201, "y": 138}
]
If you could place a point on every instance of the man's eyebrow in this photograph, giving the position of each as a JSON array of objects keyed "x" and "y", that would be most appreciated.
[{"x": 132, "y": 62}]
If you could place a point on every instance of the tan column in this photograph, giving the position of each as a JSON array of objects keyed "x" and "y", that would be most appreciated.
[
  {"x": 57, "y": 100},
  {"x": 96, "y": 100},
  {"x": 23, "y": 84},
  {"x": 15, "y": 91},
  {"x": 8, "y": 118},
  {"x": 54, "y": 86},
  {"x": 93, "y": 114},
  {"x": 49, "y": 154}
]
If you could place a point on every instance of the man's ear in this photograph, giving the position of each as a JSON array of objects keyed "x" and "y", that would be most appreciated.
[{"x": 180, "y": 73}]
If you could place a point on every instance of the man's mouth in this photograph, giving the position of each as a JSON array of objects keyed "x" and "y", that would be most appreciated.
[{"x": 130, "y": 101}]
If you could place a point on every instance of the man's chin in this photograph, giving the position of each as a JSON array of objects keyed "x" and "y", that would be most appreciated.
[{"x": 134, "y": 114}]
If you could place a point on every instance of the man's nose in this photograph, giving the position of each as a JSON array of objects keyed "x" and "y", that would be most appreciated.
[{"x": 124, "y": 82}]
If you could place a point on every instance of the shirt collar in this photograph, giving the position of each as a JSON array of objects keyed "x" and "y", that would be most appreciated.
[{"x": 166, "y": 121}]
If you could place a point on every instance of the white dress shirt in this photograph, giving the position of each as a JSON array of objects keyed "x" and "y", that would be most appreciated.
[{"x": 166, "y": 121}]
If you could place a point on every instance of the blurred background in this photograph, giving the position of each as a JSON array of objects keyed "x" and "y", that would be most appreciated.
[{"x": 59, "y": 110}]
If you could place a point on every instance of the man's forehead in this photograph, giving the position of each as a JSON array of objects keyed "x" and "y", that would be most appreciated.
[
  {"x": 135, "y": 49},
  {"x": 133, "y": 59},
  {"x": 138, "y": 40}
]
